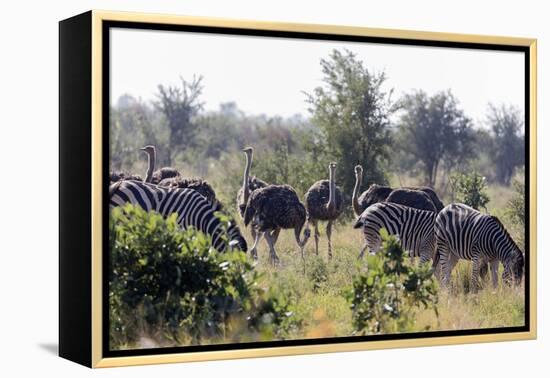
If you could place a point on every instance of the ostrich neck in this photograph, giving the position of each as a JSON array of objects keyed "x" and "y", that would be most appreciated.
[
  {"x": 150, "y": 166},
  {"x": 355, "y": 195},
  {"x": 331, "y": 205},
  {"x": 246, "y": 189}
]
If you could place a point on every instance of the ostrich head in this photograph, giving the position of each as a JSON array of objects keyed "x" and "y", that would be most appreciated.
[
  {"x": 149, "y": 149},
  {"x": 332, "y": 167},
  {"x": 248, "y": 151},
  {"x": 358, "y": 170}
]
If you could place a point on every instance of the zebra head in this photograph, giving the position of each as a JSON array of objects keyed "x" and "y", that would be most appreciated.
[
  {"x": 236, "y": 239},
  {"x": 513, "y": 270}
]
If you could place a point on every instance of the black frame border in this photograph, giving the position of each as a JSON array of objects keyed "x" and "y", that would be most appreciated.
[{"x": 105, "y": 80}]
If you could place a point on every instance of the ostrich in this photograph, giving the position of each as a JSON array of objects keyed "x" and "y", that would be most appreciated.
[
  {"x": 195, "y": 183},
  {"x": 250, "y": 184},
  {"x": 375, "y": 193},
  {"x": 271, "y": 209},
  {"x": 115, "y": 176},
  {"x": 423, "y": 198},
  {"x": 324, "y": 202},
  {"x": 412, "y": 198},
  {"x": 152, "y": 176}
]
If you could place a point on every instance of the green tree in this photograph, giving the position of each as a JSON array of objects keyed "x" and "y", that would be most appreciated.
[
  {"x": 433, "y": 130},
  {"x": 508, "y": 148},
  {"x": 352, "y": 110},
  {"x": 470, "y": 189},
  {"x": 180, "y": 105},
  {"x": 131, "y": 127}
]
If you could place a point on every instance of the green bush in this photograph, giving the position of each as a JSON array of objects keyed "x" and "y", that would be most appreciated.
[
  {"x": 171, "y": 284},
  {"x": 516, "y": 208},
  {"x": 470, "y": 189},
  {"x": 386, "y": 297}
]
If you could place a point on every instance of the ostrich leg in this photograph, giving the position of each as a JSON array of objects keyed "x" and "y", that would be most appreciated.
[
  {"x": 329, "y": 233},
  {"x": 269, "y": 237},
  {"x": 257, "y": 236},
  {"x": 275, "y": 234},
  {"x": 316, "y": 235}
]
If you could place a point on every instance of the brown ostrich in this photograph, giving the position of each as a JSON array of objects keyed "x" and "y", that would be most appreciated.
[
  {"x": 271, "y": 209},
  {"x": 250, "y": 184},
  {"x": 423, "y": 198},
  {"x": 412, "y": 198},
  {"x": 152, "y": 176},
  {"x": 324, "y": 203},
  {"x": 374, "y": 194},
  {"x": 115, "y": 176},
  {"x": 195, "y": 183}
]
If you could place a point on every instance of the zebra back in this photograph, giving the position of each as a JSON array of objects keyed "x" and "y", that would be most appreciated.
[
  {"x": 414, "y": 227},
  {"x": 192, "y": 209}
]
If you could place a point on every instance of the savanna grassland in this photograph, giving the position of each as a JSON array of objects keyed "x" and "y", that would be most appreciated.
[{"x": 416, "y": 140}]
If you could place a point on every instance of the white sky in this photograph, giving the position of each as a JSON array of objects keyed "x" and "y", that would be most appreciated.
[{"x": 269, "y": 75}]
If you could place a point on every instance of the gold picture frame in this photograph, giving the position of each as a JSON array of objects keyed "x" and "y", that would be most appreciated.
[{"x": 84, "y": 274}]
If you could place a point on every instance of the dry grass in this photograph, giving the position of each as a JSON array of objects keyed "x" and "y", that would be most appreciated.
[{"x": 326, "y": 313}]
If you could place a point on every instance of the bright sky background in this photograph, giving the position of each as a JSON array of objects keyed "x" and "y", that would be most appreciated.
[{"x": 269, "y": 75}]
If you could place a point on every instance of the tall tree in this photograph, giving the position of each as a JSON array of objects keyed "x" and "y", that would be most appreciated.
[
  {"x": 352, "y": 111},
  {"x": 180, "y": 105},
  {"x": 433, "y": 130},
  {"x": 508, "y": 149}
]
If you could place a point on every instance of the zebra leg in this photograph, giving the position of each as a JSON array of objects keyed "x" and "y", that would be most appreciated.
[
  {"x": 257, "y": 236},
  {"x": 363, "y": 249},
  {"x": 329, "y": 234},
  {"x": 271, "y": 242},
  {"x": 474, "y": 282},
  {"x": 494, "y": 273},
  {"x": 448, "y": 262}
]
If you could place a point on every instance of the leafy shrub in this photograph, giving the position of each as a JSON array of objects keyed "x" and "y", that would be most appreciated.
[
  {"x": 470, "y": 189},
  {"x": 318, "y": 272},
  {"x": 516, "y": 208},
  {"x": 173, "y": 284},
  {"x": 385, "y": 298}
]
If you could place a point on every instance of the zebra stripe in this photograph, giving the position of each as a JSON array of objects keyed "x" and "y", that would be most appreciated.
[
  {"x": 465, "y": 233},
  {"x": 192, "y": 208},
  {"x": 413, "y": 227}
]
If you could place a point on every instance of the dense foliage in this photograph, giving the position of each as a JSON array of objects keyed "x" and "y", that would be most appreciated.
[
  {"x": 508, "y": 144},
  {"x": 386, "y": 297},
  {"x": 352, "y": 111},
  {"x": 470, "y": 189},
  {"x": 168, "y": 281},
  {"x": 434, "y": 131}
]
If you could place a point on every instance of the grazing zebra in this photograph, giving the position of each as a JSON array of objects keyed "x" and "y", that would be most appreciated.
[
  {"x": 464, "y": 233},
  {"x": 413, "y": 227},
  {"x": 192, "y": 208}
]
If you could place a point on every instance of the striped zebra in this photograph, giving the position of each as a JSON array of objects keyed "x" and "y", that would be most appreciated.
[
  {"x": 464, "y": 233},
  {"x": 192, "y": 208},
  {"x": 413, "y": 227}
]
